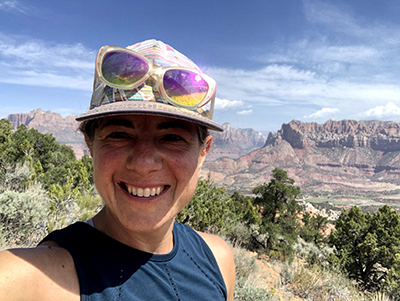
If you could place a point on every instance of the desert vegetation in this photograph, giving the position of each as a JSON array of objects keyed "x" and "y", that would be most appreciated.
[{"x": 44, "y": 187}]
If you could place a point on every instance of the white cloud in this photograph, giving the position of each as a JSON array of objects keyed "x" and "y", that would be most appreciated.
[
  {"x": 12, "y": 6},
  {"x": 225, "y": 104},
  {"x": 323, "y": 113},
  {"x": 388, "y": 110},
  {"x": 38, "y": 63},
  {"x": 349, "y": 54},
  {"x": 345, "y": 66},
  {"x": 245, "y": 112}
]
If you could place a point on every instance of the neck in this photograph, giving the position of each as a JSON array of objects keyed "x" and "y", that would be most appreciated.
[{"x": 156, "y": 241}]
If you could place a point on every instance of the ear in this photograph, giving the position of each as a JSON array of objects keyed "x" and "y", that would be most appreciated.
[
  {"x": 207, "y": 144},
  {"x": 204, "y": 149},
  {"x": 88, "y": 144}
]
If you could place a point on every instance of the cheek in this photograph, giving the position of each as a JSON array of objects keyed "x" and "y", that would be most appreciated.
[
  {"x": 186, "y": 171},
  {"x": 104, "y": 164}
]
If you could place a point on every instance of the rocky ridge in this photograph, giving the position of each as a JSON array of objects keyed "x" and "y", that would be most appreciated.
[
  {"x": 234, "y": 143},
  {"x": 231, "y": 143},
  {"x": 358, "y": 158},
  {"x": 63, "y": 129}
]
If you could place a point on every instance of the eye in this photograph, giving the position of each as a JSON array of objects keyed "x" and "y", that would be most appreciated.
[
  {"x": 172, "y": 138},
  {"x": 118, "y": 135}
]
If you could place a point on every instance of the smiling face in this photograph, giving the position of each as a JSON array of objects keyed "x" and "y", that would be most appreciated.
[{"x": 145, "y": 169}]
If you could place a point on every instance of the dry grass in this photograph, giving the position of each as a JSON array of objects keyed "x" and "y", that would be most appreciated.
[{"x": 295, "y": 282}]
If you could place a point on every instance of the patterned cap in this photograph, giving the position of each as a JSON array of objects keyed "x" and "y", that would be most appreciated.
[{"x": 144, "y": 99}]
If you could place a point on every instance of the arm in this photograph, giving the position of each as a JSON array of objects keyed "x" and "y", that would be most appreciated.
[
  {"x": 224, "y": 256},
  {"x": 43, "y": 273}
]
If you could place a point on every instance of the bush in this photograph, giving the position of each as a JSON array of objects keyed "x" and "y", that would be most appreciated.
[
  {"x": 14, "y": 176},
  {"x": 318, "y": 284},
  {"x": 311, "y": 253},
  {"x": 247, "y": 285},
  {"x": 241, "y": 236},
  {"x": 210, "y": 209},
  {"x": 23, "y": 217},
  {"x": 243, "y": 292},
  {"x": 89, "y": 205}
]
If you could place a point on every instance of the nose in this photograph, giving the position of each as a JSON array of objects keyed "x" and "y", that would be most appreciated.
[{"x": 144, "y": 157}]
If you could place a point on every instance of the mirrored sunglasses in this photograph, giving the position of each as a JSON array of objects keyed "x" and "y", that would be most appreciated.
[{"x": 122, "y": 68}]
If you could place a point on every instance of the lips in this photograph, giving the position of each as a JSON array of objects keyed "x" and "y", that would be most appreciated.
[{"x": 144, "y": 192}]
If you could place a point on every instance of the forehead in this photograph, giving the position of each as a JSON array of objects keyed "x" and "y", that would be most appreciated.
[{"x": 143, "y": 122}]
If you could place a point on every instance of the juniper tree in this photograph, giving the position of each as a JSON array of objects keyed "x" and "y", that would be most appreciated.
[
  {"x": 279, "y": 210},
  {"x": 367, "y": 247}
]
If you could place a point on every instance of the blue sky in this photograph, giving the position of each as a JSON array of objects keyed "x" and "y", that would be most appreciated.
[{"x": 274, "y": 61}]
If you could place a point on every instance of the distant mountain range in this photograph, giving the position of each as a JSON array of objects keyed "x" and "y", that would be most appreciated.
[
  {"x": 347, "y": 159},
  {"x": 231, "y": 143}
]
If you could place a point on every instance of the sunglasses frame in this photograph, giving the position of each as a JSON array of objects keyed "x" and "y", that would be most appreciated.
[{"x": 157, "y": 72}]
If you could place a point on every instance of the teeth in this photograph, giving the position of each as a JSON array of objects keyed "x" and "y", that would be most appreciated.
[{"x": 144, "y": 192}]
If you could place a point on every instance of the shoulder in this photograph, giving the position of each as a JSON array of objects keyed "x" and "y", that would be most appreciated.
[
  {"x": 225, "y": 259},
  {"x": 43, "y": 273}
]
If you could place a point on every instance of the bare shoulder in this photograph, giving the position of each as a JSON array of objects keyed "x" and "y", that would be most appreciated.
[
  {"x": 217, "y": 245},
  {"x": 43, "y": 273},
  {"x": 224, "y": 256}
]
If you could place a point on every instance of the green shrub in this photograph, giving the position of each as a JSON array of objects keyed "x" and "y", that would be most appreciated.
[
  {"x": 315, "y": 283},
  {"x": 23, "y": 217},
  {"x": 89, "y": 205},
  {"x": 245, "y": 265},
  {"x": 243, "y": 292},
  {"x": 14, "y": 176},
  {"x": 246, "y": 288},
  {"x": 380, "y": 296},
  {"x": 312, "y": 253}
]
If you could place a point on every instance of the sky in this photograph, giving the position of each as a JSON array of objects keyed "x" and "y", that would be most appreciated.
[{"x": 274, "y": 61}]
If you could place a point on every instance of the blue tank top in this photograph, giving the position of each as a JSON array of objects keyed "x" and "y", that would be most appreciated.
[{"x": 110, "y": 270}]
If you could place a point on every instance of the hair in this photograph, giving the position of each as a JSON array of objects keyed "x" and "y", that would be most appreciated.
[{"x": 88, "y": 128}]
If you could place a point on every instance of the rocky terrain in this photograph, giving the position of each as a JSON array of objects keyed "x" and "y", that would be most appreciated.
[
  {"x": 231, "y": 143},
  {"x": 63, "y": 129},
  {"x": 234, "y": 143},
  {"x": 345, "y": 161},
  {"x": 347, "y": 158}
]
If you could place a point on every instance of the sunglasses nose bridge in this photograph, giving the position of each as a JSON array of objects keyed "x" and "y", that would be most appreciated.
[
  {"x": 155, "y": 77},
  {"x": 156, "y": 72}
]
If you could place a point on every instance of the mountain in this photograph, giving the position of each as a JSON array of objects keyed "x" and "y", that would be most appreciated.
[
  {"x": 65, "y": 130},
  {"x": 349, "y": 158},
  {"x": 231, "y": 143},
  {"x": 234, "y": 143}
]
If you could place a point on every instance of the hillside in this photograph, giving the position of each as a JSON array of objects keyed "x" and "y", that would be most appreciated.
[
  {"x": 345, "y": 161},
  {"x": 63, "y": 129},
  {"x": 231, "y": 143},
  {"x": 346, "y": 158}
]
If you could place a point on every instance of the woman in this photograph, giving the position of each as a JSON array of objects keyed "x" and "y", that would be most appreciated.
[{"x": 147, "y": 132}]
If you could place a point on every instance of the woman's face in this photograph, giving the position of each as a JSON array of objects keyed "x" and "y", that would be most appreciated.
[{"x": 146, "y": 168}]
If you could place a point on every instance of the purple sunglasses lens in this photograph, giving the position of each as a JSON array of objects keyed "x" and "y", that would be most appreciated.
[
  {"x": 185, "y": 87},
  {"x": 123, "y": 68}
]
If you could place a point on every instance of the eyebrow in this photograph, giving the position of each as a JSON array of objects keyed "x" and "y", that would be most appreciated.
[
  {"x": 173, "y": 124},
  {"x": 162, "y": 126},
  {"x": 117, "y": 121}
]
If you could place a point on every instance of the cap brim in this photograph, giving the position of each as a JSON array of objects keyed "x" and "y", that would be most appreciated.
[{"x": 148, "y": 108}]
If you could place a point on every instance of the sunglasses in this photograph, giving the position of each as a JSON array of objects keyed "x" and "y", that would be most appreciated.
[{"x": 125, "y": 69}]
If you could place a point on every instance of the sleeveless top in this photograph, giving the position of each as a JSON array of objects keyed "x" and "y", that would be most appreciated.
[{"x": 110, "y": 270}]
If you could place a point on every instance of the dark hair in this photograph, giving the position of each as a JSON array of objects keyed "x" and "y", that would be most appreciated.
[{"x": 89, "y": 127}]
